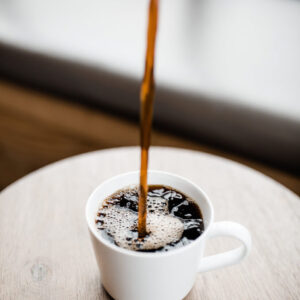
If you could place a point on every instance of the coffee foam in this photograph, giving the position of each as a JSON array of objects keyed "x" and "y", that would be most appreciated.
[
  {"x": 121, "y": 224},
  {"x": 157, "y": 205}
]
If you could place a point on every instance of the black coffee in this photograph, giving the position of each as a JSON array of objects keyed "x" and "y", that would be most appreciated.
[{"x": 173, "y": 219}]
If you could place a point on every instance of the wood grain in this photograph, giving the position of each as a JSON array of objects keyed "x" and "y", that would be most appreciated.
[
  {"x": 45, "y": 251},
  {"x": 37, "y": 129}
]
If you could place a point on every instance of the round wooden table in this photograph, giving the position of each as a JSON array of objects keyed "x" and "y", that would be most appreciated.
[{"x": 45, "y": 250}]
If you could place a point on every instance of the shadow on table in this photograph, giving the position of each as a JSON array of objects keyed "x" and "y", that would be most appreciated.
[{"x": 106, "y": 294}]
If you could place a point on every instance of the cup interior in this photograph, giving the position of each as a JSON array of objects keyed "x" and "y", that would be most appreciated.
[{"x": 116, "y": 183}]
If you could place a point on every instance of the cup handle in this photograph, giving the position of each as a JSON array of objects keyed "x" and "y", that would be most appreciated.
[{"x": 230, "y": 229}]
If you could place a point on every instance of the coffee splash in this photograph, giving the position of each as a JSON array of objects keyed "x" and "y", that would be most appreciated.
[{"x": 173, "y": 219}]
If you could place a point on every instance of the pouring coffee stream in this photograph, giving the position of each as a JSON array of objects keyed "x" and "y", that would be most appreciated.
[{"x": 147, "y": 97}]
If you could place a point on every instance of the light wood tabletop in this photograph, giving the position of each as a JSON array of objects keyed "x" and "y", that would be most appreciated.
[{"x": 45, "y": 250}]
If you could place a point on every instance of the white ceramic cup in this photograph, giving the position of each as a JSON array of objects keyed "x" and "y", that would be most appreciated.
[{"x": 131, "y": 275}]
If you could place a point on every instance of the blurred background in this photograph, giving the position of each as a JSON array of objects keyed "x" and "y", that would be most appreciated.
[{"x": 227, "y": 74}]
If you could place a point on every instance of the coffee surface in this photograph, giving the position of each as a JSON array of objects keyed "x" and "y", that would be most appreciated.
[{"x": 173, "y": 219}]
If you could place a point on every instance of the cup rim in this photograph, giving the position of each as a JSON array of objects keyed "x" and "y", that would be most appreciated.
[{"x": 121, "y": 250}]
